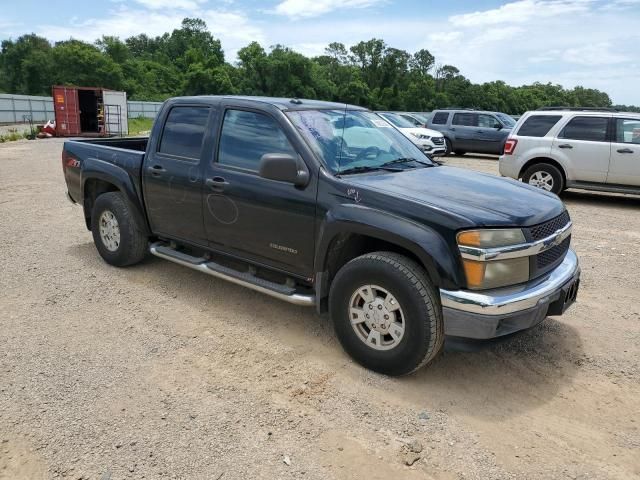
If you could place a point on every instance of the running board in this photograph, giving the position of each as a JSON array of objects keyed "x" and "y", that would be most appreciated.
[
  {"x": 605, "y": 187},
  {"x": 245, "y": 279}
]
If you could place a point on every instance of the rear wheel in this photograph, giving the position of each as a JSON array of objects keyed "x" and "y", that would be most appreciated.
[
  {"x": 544, "y": 176},
  {"x": 116, "y": 234},
  {"x": 386, "y": 313}
]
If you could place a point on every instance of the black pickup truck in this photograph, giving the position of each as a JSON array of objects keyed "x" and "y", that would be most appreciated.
[{"x": 327, "y": 205}]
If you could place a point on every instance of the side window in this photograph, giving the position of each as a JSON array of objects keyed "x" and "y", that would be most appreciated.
[
  {"x": 247, "y": 136},
  {"x": 586, "y": 128},
  {"x": 488, "y": 121},
  {"x": 538, "y": 125},
  {"x": 440, "y": 118},
  {"x": 465, "y": 119},
  {"x": 627, "y": 130},
  {"x": 184, "y": 131}
]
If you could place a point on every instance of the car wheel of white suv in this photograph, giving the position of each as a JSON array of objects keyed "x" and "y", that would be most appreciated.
[{"x": 544, "y": 176}]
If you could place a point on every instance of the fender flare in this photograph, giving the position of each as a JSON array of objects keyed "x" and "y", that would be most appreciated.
[
  {"x": 95, "y": 169},
  {"x": 422, "y": 241}
]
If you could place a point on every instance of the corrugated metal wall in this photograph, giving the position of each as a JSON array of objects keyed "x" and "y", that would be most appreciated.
[{"x": 16, "y": 108}]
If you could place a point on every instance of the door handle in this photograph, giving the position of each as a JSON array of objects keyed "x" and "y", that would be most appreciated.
[
  {"x": 565, "y": 145},
  {"x": 156, "y": 170},
  {"x": 625, "y": 150},
  {"x": 217, "y": 184}
]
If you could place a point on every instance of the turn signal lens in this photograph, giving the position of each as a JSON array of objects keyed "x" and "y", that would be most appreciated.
[{"x": 474, "y": 272}]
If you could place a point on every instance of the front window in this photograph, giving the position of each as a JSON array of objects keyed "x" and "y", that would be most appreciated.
[
  {"x": 352, "y": 141},
  {"x": 397, "y": 121},
  {"x": 508, "y": 121}
]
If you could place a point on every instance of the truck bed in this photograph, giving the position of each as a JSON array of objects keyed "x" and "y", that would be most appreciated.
[{"x": 129, "y": 143}]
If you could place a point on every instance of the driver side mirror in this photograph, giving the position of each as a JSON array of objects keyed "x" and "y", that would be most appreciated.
[
  {"x": 498, "y": 126},
  {"x": 283, "y": 167}
]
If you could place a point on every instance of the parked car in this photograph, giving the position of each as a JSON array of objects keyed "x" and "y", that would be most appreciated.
[
  {"x": 269, "y": 194},
  {"x": 472, "y": 130},
  {"x": 429, "y": 141},
  {"x": 418, "y": 119},
  {"x": 556, "y": 149}
]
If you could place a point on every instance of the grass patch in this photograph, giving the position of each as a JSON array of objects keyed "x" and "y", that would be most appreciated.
[
  {"x": 14, "y": 135},
  {"x": 140, "y": 125}
]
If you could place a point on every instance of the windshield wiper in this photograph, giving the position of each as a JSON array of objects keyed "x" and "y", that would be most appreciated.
[
  {"x": 362, "y": 169},
  {"x": 406, "y": 160}
]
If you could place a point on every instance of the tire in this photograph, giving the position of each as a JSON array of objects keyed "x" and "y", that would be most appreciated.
[
  {"x": 131, "y": 245},
  {"x": 449, "y": 147},
  {"x": 553, "y": 179},
  {"x": 418, "y": 310}
]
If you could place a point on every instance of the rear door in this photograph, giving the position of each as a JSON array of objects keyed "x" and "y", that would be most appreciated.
[
  {"x": 463, "y": 126},
  {"x": 489, "y": 135},
  {"x": 583, "y": 146},
  {"x": 67, "y": 111},
  {"x": 173, "y": 175},
  {"x": 624, "y": 167}
]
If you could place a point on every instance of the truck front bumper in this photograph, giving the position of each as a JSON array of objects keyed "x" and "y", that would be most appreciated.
[{"x": 493, "y": 313}]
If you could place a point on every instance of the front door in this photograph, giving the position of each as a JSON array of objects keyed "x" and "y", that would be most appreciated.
[
  {"x": 252, "y": 217},
  {"x": 583, "y": 146},
  {"x": 489, "y": 135},
  {"x": 173, "y": 177},
  {"x": 624, "y": 167}
]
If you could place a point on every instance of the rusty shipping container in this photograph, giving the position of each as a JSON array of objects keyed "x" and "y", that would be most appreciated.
[{"x": 88, "y": 111}]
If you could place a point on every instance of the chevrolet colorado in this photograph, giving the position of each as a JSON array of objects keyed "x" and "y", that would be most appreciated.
[{"x": 327, "y": 205}]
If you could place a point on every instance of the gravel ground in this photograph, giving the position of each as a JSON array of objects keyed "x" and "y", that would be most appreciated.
[{"x": 156, "y": 371}]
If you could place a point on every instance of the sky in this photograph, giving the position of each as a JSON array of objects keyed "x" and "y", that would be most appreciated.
[{"x": 593, "y": 43}]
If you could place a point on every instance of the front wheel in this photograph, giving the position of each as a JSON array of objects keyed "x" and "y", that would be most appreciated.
[
  {"x": 448, "y": 147},
  {"x": 116, "y": 234},
  {"x": 386, "y": 313},
  {"x": 544, "y": 176}
]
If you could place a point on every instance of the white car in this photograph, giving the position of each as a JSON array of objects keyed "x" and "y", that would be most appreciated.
[
  {"x": 560, "y": 148},
  {"x": 429, "y": 141}
]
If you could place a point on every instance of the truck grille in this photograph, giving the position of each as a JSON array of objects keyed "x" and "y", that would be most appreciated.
[
  {"x": 552, "y": 255},
  {"x": 437, "y": 140},
  {"x": 549, "y": 259},
  {"x": 548, "y": 228}
]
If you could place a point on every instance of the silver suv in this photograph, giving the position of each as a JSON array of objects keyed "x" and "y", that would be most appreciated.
[
  {"x": 470, "y": 130},
  {"x": 560, "y": 148}
]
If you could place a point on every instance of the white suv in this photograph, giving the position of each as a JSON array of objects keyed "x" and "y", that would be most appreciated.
[
  {"x": 429, "y": 141},
  {"x": 560, "y": 148}
]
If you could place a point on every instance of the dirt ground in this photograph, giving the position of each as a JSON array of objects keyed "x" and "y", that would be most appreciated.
[{"x": 157, "y": 371}]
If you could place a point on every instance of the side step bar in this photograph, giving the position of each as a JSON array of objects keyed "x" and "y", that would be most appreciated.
[{"x": 245, "y": 279}]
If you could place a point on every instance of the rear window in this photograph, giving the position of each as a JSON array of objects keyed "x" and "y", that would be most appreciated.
[
  {"x": 440, "y": 118},
  {"x": 592, "y": 129},
  {"x": 184, "y": 131},
  {"x": 465, "y": 119},
  {"x": 538, "y": 125}
]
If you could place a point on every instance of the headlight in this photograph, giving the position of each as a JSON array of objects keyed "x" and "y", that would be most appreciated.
[
  {"x": 498, "y": 273},
  {"x": 421, "y": 136}
]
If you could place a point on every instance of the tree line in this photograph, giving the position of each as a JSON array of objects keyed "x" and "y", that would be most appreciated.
[{"x": 190, "y": 61}]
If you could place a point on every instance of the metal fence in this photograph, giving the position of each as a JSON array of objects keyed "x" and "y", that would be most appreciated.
[
  {"x": 143, "y": 109},
  {"x": 19, "y": 108}
]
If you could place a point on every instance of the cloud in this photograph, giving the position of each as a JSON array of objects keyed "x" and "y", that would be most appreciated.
[
  {"x": 594, "y": 54},
  {"x": 170, "y": 4},
  {"x": 314, "y": 8},
  {"x": 521, "y": 11}
]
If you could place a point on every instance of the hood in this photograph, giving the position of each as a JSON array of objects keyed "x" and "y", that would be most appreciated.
[
  {"x": 482, "y": 199},
  {"x": 422, "y": 131}
]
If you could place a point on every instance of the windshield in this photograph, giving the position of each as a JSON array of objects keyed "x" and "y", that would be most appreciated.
[
  {"x": 506, "y": 119},
  {"x": 397, "y": 120},
  {"x": 356, "y": 140}
]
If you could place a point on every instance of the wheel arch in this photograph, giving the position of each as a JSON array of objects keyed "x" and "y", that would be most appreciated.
[
  {"x": 343, "y": 239},
  {"x": 537, "y": 160},
  {"x": 98, "y": 183}
]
